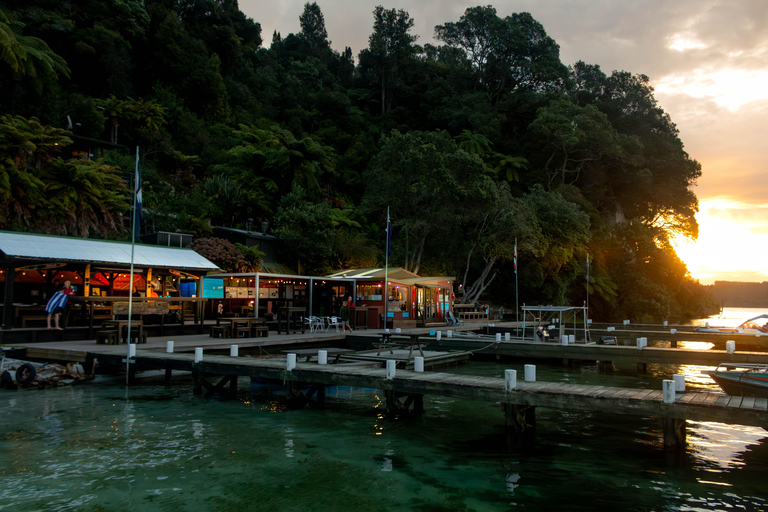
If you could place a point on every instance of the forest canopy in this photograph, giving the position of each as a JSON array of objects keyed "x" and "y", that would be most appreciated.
[{"x": 497, "y": 160}]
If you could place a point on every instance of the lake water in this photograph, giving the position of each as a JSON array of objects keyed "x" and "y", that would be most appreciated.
[{"x": 102, "y": 447}]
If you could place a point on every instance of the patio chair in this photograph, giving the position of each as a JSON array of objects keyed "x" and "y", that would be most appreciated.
[
  {"x": 333, "y": 322},
  {"x": 315, "y": 323}
]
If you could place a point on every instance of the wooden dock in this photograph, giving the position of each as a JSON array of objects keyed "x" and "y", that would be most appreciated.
[
  {"x": 620, "y": 354},
  {"x": 519, "y": 403}
]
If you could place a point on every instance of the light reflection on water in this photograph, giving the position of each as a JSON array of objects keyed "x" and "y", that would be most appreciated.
[
  {"x": 731, "y": 317},
  {"x": 92, "y": 448}
]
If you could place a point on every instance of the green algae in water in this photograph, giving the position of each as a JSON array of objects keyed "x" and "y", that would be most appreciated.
[{"x": 147, "y": 448}]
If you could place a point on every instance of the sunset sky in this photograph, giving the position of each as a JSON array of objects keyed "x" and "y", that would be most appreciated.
[{"x": 706, "y": 59}]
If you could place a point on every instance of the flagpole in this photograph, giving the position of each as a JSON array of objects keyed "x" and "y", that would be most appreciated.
[
  {"x": 386, "y": 273},
  {"x": 586, "y": 316},
  {"x": 130, "y": 286},
  {"x": 517, "y": 300}
]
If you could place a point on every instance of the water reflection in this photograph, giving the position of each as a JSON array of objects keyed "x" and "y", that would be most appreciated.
[{"x": 177, "y": 451}]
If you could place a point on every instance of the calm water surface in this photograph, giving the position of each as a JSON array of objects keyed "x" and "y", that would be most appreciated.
[{"x": 105, "y": 448}]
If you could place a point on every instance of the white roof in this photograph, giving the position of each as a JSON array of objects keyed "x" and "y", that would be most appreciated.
[
  {"x": 553, "y": 309},
  {"x": 30, "y": 246}
]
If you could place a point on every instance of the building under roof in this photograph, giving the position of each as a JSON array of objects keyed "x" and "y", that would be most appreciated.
[{"x": 36, "y": 263}]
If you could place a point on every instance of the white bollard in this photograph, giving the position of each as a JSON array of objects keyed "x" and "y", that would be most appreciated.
[
  {"x": 672, "y": 331},
  {"x": 498, "y": 336},
  {"x": 198, "y": 354},
  {"x": 397, "y": 330},
  {"x": 530, "y": 373},
  {"x": 730, "y": 346},
  {"x": 611, "y": 329},
  {"x": 290, "y": 363},
  {"x": 233, "y": 350},
  {"x": 626, "y": 322},
  {"x": 169, "y": 347},
  {"x": 506, "y": 336},
  {"x": 449, "y": 334},
  {"x": 132, "y": 350},
  {"x": 664, "y": 323},
  {"x": 679, "y": 382},
  {"x": 510, "y": 379},
  {"x": 322, "y": 357},
  {"x": 418, "y": 364},
  {"x": 391, "y": 367},
  {"x": 564, "y": 340},
  {"x": 668, "y": 387},
  {"x": 642, "y": 342},
  {"x": 439, "y": 335},
  {"x": 571, "y": 338}
]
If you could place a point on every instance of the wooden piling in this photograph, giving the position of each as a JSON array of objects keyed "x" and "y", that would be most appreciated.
[
  {"x": 519, "y": 418},
  {"x": 674, "y": 433}
]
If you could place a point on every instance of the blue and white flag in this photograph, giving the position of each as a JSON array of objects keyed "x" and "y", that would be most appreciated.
[
  {"x": 514, "y": 260},
  {"x": 137, "y": 199}
]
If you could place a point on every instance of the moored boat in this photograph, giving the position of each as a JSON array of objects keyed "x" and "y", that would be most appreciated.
[
  {"x": 741, "y": 379},
  {"x": 749, "y": 327}
]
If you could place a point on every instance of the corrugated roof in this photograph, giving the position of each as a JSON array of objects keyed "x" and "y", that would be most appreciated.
[{"x": 85, "y": 250}]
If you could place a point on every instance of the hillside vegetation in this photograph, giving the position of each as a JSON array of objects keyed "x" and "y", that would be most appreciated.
[{"x": 484, "y": 146}]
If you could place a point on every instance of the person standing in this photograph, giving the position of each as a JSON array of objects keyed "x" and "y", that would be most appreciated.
[
  {"x": 344, "y": 314},
  {"x": 57, "y": 303}
]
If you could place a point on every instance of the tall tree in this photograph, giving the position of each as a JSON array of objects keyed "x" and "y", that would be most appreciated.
[
  {"x": 389, "y": 46},
  {"x": 510, "y": 55},
  {"x": 313, "y": 27},
  {"x": 427, "y": 181}
]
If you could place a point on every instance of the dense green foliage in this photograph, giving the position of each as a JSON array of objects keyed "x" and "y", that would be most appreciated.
[{"x": 486, "y": 139}]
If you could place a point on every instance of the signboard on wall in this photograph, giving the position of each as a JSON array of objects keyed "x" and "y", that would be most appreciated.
[{"x": 213, "y": 288}]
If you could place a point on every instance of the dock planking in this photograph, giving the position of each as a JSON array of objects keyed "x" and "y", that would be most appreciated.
[{"x": 634, "y": 401}]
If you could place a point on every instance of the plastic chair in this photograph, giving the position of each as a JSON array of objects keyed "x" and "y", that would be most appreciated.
[
  {"x": 333, "y": 322},
  {"x": 315, "y": 323}
]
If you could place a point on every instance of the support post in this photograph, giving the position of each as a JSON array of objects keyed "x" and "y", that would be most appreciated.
[
  {"x": 233, "y": 386},
  {"x": 520, "y": 418},
  {"x": 197, "y": 385},
  {"x": 10, "y": 275},
  {"x": 391, "y": 399},
  {"x": 674, "y": 433}
]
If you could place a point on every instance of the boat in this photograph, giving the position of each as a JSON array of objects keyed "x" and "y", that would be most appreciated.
[
  {"x": 741, "y": 379},
  {"x": 749, "y": 327}
]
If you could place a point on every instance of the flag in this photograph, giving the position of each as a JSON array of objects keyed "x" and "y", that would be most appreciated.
[
  {"x": 137, "y": 199},
  {"x": 389, "y": 236},
  {"x": 587, "y": 269},
  {"x": 514, "y": 260}
]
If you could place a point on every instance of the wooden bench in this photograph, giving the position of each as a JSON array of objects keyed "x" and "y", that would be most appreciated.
[
  {"x": 260, "y": 331},
  {"x": 106, "y": 337},
  {"x": 244, "y": 330},
  {"x": 220, "y": 331}
]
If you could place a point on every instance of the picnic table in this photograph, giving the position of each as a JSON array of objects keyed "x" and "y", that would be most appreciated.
[{"x": 411, "y": 343}]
